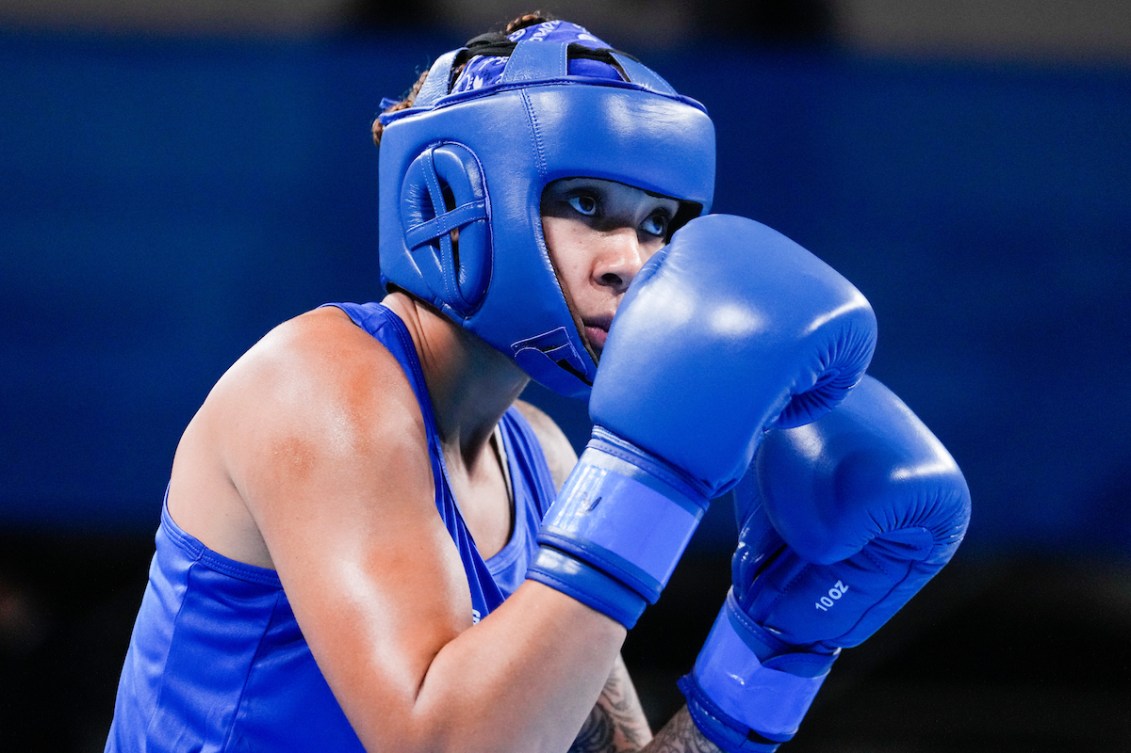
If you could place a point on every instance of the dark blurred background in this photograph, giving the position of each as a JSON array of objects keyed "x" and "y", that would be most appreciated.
[{"x": 176, "y": 178}]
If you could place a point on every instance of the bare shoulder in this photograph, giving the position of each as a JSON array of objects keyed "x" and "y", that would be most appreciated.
[
  {"x": 319, "y": 366},
  {"x": 326, "y": 445},
  {"x": 322, "y": 437},
  {"x": 316, "y": 402},
  {"x": 560, "y": 455},
  {"x": 319, "y": 384}
]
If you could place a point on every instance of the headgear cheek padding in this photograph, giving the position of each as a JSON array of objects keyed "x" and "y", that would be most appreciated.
[{"x": 443, "y": 198}]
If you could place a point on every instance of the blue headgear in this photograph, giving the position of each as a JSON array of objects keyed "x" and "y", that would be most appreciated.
[{"x": 474, "y": 156}]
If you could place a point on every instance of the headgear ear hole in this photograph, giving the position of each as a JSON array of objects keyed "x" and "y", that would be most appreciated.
[{"x": 446, "y": 222}]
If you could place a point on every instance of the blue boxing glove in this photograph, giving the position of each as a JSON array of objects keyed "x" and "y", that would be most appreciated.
[
  {"x": 728, "y": 330},
  {"x": 842, "y": 522}
]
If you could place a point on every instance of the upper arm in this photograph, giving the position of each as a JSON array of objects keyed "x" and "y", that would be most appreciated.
[
  {"x": 559, "y": 452},
  {"x": 323, "y": 438},
  {"x": 327, "y": 448}
]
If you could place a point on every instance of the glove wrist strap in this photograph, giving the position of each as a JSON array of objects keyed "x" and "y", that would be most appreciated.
[
  {"x": 622, "y": 514},
  {"x": 734, "y": 687}
]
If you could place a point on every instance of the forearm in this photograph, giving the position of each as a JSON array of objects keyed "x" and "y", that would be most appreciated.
[
  {"x": 524, "y": 679},
  {"x": 617, "y": 723},
  {"x": 680, "y": 735}
]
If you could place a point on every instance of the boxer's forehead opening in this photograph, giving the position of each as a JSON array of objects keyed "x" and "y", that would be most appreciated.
[{"x": 685, "y": 210}]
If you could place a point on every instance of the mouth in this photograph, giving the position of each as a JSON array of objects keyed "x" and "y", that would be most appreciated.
[{"x": 597, "y": 331}]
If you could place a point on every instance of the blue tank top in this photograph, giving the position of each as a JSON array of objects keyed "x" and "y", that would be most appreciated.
[{"x": 217, "y": 661}]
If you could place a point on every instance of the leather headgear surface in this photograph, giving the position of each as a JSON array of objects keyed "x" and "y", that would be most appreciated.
[{"x": 463, "y": 169}]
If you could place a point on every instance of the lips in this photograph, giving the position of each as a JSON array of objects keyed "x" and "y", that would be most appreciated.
[{"x": 597, "y": 330}]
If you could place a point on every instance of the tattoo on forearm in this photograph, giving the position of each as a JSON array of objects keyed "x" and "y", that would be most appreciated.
[
  {"x": 617, "y": 723},
  {"x": 596, "y": 734},
  {"x": 680, "y": 735}
]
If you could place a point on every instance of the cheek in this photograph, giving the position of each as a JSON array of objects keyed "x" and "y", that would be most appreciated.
[{"x": 565, "y": 243}]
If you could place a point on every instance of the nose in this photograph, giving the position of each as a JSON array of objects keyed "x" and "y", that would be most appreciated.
[{"x": 620, "y": 257}]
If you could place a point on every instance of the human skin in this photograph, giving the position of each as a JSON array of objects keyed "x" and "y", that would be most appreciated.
[{"x": 310, "y": 457}]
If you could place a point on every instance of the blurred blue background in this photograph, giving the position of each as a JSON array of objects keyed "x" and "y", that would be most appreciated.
[{"x": 171, "y": 188}]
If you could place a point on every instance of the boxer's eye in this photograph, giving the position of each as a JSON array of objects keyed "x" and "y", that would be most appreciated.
[
  {"x": 657, "y": 223},
  {"x": 584, "y": 203}
]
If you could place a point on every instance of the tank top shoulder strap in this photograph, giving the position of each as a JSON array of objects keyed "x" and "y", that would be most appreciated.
[{"x": 526, "y": 454}]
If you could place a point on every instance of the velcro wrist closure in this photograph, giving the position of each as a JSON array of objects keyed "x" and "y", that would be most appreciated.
[
  {"x": 591, "y": 587},
  {"x": 727, "y": 734},
  {"x": 769, "y": 701},
  {"x": 617, "y": 514}
]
